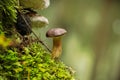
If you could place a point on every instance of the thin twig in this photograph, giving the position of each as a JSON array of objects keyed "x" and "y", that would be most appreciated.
[{"x": 35, "y": 34}]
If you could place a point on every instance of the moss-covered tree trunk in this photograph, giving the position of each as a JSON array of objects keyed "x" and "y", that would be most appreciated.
[{"x": 25, "y": 62}]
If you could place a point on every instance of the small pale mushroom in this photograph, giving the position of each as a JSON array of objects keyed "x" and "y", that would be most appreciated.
[
  {"x": 39, "y": 21},
  {"x": 35, "y": 4},
  {"x": 56, "y": 34}
]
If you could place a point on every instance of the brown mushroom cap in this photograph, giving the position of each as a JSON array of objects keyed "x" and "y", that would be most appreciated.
[{"x": 55, "y": 32}]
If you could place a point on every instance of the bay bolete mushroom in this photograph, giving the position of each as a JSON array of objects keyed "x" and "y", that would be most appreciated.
[{"x": 56, "y": 34}]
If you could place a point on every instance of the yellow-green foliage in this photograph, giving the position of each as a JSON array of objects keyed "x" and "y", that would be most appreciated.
[
  {"x": 4, "y": 42},
  {"x": 33, "y": 63}
]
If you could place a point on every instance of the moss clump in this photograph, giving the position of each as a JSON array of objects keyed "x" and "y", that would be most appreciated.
[
  {"x": 7, "y": 16},
  {"x": 33, "y": 63}
]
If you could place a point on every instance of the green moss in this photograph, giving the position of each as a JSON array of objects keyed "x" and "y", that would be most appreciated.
[
  {"x": 7, "y": 15},
  {"x": 33, "y": 63}
]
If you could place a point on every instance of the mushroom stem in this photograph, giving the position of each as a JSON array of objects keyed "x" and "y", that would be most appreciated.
[
  {"x": 56, "y": 34},
  {"x": 57, "y": 47}
]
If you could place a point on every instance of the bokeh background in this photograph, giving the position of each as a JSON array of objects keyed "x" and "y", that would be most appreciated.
[{"x": 92, "y": 45}]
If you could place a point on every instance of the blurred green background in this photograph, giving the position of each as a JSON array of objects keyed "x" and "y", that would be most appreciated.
[{"x": 92, "y": 45}]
